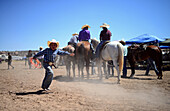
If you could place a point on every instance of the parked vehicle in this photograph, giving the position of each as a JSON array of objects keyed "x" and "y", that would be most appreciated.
[{"x": 3, "y": 57}]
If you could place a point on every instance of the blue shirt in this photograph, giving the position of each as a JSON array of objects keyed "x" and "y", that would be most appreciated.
[
  {"x": 84, "y": 35},
  {"x": 74, "y": 39},
  {"x": 50, "y": 55},
  {"x": 125, "y": 50}
]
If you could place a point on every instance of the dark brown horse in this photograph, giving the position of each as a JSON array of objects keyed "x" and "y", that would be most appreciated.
[
  {"x": 83, "y": 56},
  {"x": 69, "y": 60},
  {"x": 138, "y": 53}
]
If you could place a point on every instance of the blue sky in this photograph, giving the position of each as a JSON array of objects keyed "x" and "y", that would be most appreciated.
[{"x": 29, "y": 24}]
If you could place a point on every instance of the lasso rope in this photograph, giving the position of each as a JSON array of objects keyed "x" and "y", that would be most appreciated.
[{"x": 37, "y": 64}]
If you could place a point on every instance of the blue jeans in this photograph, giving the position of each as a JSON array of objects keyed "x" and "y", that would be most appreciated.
[
  {"x": 124, "y": 68},
  {"x": 99, "y": 47},
  {"x": 48, "y": 76},
  {"x": 152, "y": 64}
]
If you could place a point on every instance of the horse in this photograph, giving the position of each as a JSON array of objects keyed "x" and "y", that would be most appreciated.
[
  {"x": 83, "y": 55},
  {"x": 111, "y": 51},
  {"x": 68, "y": 60},
  {"x": 137, "y": 53}
]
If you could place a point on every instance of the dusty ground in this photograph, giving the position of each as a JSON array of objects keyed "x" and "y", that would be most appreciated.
[{"x": 20, "y": 90}]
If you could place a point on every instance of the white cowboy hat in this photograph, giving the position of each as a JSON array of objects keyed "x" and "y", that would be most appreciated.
[
  {"x": 53, "y": 41},
  {"x": 105, "y": 25},
  {"x": 75, "y": 34},
  {"x": 85, "y": 26}
]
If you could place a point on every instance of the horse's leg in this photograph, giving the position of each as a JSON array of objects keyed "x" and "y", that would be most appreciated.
[
  {"x": 92, "y": 68},
  {"x": 82, "y": 68},
  {"x": 99, "y": 65},
  {"x": 112, "y": 71},
  {"x": 117, "y": 69},
  {"x": 78, "y": 64},
  {"x": 73, "y": 67},
  {"x": 87, "y": 68},
  {"x": 108, "y": 68},
  {"x": 158, "y": 64},
  {"x": 67, "y": 68},
  {"x": 132, "y": 64},
  {"x": 105, "y": 72}
]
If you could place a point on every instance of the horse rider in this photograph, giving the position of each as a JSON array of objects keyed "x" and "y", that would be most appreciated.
[
  {"x": 105, "y": 35},
  {"x": 74, "y": 39},
  {"x": 84, "y": 35}
]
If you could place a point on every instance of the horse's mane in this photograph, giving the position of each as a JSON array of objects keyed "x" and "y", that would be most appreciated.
[{"x": 94, "y": 40}]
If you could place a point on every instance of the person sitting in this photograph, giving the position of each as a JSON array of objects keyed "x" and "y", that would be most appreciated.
[
  {"x": 84, "y": 35},
  {"x": 74, "y": 39},
  {"x": 105, "y": 35}
]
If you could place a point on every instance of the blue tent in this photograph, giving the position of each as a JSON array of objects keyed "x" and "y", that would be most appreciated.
[{"x": 145, "y": 38}]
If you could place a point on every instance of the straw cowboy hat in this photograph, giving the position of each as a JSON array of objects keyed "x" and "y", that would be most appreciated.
[
  {"x": 53, "y": 41},
  {"x": 75, "y": 34},
  {"x": 85, "y": 26},
  {"x": 105, "y": 25}
]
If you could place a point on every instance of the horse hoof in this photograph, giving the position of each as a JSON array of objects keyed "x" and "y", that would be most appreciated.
[
  {"x": 159, "y": 78},
  {"x": 106, "y": 77},
  {"x": 131, "y": 75}
]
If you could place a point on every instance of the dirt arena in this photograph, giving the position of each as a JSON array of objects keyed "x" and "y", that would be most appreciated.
[{"x": 20, "y": 91}]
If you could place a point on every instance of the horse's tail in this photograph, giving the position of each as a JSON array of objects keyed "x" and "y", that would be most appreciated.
[
  {"x": 120, "y": 57},
  {"x": 81, "y": 50},
  {"x": 160, "y": 56}
]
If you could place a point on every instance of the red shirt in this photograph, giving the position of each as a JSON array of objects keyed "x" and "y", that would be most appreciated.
[{"x": 105, "y": 35}]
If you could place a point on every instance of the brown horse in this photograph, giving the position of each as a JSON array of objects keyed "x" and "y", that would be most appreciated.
[
  {"x": 138, "y": 53},
  {"x": 70, "y": 60},
  {"x": 83, "y": 55}
]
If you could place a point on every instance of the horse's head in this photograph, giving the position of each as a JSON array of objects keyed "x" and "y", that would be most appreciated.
[
  {"x": 69, "y": 48},
  {"x": 94, "y": 42}
]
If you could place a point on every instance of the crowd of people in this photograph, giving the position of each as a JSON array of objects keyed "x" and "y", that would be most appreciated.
[{"x": 48, "y": 55}]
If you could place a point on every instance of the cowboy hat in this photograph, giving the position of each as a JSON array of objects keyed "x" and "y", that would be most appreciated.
[
  {"x": 85, "y": 26},
  {"x": 41, "y": 47},
  {"x": 105, "y": 25},
  {"x": 53, "y": 41},
  {"x": 75, "y": 34}
]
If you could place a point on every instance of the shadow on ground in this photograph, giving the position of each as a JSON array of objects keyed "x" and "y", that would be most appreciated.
[{"x": 39, "y": 92}]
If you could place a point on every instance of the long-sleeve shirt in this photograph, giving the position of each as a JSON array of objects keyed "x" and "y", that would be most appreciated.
[
  {"x": 105, "y": 35},
  {"x": 125, "y": 50},
  {"x": 84, "y": 35},
  {"x": 74, "y": 39},
  {"x": 50, "y": 55}
]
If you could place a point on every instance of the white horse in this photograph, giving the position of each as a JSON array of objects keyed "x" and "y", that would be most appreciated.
[{"x": 111, "y": 51}]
